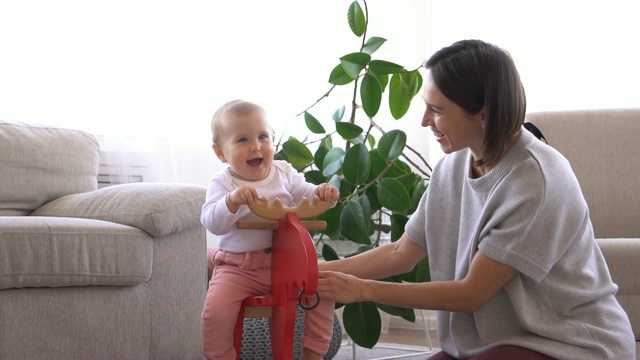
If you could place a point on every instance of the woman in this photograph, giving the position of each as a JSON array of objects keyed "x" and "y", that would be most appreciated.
[{"x": 516, "y": 272}]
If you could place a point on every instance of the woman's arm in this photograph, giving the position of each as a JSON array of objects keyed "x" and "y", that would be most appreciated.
[
  {"x": 386, "y": 260},
  {"x": 485, "y": 278}
]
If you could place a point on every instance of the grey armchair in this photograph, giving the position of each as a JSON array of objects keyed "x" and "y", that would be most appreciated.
[{"x": 114, "y": 273}]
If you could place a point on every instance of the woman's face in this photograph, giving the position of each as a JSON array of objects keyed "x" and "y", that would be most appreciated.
[{"x": 453, "y": 128}]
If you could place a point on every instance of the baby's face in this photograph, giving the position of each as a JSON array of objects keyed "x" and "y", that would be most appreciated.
[{"x": 246, "y": 145}]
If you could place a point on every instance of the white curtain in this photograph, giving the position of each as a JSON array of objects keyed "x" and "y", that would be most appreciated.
[{"x": 146, "y": 75}]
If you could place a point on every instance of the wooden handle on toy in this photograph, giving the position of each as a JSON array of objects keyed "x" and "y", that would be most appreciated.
[
  {"x": 276, "y": 211},
  {"x": 273, "y": 225}
]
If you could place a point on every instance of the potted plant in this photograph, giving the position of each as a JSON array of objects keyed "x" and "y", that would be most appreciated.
[{"x": 380, "y": 186}]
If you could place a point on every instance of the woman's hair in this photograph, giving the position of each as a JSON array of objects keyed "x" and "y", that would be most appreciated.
[
  {"x": 474, "y": 74},
  {"x": 235, "y": 107}
]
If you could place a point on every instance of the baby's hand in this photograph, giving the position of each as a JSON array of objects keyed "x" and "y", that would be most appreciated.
[
  {"x": 327, "y": 192},
  {"x": 244, "y": 195}
]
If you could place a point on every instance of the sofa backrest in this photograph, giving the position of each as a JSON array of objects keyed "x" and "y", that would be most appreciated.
[
  {"x": 603, "y": 147},
  {"x": 40, "y": 163}
]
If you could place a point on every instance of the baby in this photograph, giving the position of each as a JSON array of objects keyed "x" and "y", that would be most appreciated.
[{"x": 241, "y": 266}]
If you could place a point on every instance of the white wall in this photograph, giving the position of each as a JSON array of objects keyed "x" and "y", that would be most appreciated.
[{"x": 159, "y": 69}]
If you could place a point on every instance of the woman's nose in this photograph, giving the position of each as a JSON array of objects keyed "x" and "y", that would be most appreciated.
[{"x": 426, "y": 119}]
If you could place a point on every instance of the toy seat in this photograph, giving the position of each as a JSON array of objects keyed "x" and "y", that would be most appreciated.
[{"x": 294, "y": 271}]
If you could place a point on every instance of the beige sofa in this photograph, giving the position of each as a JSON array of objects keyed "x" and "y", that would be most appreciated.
[
  {"x": 114, "y": 273},
  {"x": 603, "y": 147}
]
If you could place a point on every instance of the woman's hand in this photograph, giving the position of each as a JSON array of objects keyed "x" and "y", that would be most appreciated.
[
  {"x": 327, "y": 192},
  {"x": 339, "y": 287}
]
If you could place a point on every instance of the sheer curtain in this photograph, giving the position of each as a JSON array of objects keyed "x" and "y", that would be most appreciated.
[{"x": 146, "y": 76}]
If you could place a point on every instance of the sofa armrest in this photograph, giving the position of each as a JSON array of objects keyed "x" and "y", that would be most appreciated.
[{"x": 159, "y": 209}]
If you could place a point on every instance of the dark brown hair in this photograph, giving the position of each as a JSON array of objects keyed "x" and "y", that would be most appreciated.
[{"x": 475, "y": 75}]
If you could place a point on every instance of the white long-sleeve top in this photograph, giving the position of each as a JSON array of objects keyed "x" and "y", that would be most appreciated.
[{"x": 283, "y": 182}]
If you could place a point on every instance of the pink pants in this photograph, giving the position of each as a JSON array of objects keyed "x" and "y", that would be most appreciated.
[{"x": 235, "y": 276}]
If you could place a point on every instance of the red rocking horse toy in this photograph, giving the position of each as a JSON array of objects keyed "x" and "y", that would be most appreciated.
[{"x": 294, "y": 270}]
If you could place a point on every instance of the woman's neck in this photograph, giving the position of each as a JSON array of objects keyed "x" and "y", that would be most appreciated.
[{"x": 481, "y": 170}]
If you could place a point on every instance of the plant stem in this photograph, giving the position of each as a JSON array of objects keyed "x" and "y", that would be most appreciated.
[
  {"x": 326, "y": 95},
  {"x": 417, "y": 167}
]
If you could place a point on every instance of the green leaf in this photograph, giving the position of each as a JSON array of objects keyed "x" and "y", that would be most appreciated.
[
  {"x": 358, "y": 139},
  {"x": 378, "y": 164},
  {"x": 354, "y": 63},
  {"x": 354, "y": 224},
  {"x": 420, "y": 272},
  {"x": 372, "y": 195},
  {"x": 313, "y": 124},
  {"x": 356, "y": 164},
  {"x": 416, "y": 195},
  {"x": 398, "y": 221},
  {"x": 409, "y": 181},
  {"x": 297, "y": 153},
  {"x": 335, "y": 181},
  {"x": 315, "y": 177},
  {"x": 381, "y": 67},
  {"x": 348, "y": 130},
  {"x": 393, "y": 195},
  {"x": 333, "y": 161},
  {"x": 405, "y": 313},
  {"x": 332, "y": 217},
  {"x": 280, "y": 155},
  {"x": 373, "y": 44},
  {"x": 371, "y": 95},
  {"x": 366, "y": 211},
  {"x": 346, "y": 188},
  {"x": 338, "y": 114},
  {"x": 417, "y": 86},
  {"x": 371, "y": 140},
  {"x": 327, "y": 142},
  {"x": 339, "y": 77},
  {"x": 363, "y": 323},
  {"x": 398, "y": 170},
  {"x": 392, "y": 144},
  {"x": 382, "y": 79},
  {"x": 328, "y": 253},
  {"x": 402, "y": 89},
  {"x": 318, "y": 157},
  {"x": 410, "y": 315},
  {"x": 356, "y": 19}
]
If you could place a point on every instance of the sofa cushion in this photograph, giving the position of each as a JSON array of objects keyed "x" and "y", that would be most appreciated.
[
  {"x": 602, "y": 147},
  {"x": 54, "y": 252},
  {"x": 40, "y": 163},
  {"x": 622, "y": 259},
  {"x": 158, "y": 209}
]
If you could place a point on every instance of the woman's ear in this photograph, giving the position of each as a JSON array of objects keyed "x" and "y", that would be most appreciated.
[
  {"x": 218, "y": 150},
  {"x": 481, "y": 116}
]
